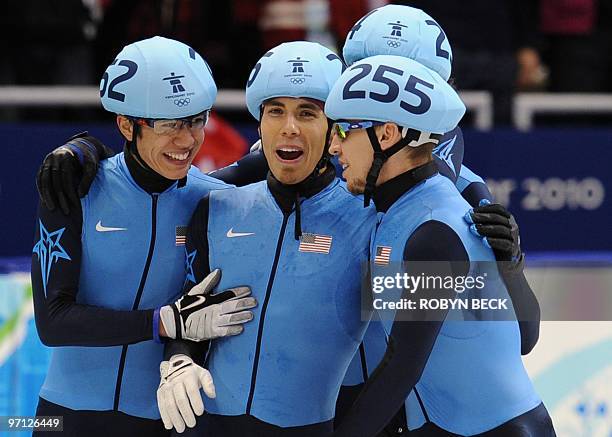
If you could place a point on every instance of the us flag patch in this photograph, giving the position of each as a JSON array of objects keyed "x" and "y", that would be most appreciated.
[
  {"x": 383, "y": 253},
  {"x": 181, "y": 235},
  {"x": 315, "y": 243}
]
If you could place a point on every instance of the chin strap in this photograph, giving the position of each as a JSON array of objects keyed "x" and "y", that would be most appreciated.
[
  {"x": 319, "y": 168},
  {"x": 297, "y": 231},
  {"x": 410, "y": 137}
]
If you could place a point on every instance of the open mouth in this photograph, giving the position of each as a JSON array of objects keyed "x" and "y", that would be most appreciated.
[
  {"x": 178, "y": 157},
  {"x": 289, "y": 154}
]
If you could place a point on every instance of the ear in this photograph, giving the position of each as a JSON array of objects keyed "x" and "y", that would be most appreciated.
[
  {"x": 388, "y": 135},
  {"x": 126, "y": 127}
]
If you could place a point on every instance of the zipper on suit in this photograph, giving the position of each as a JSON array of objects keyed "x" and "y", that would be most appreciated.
[
  {"x": 262, "y": 317},
  {"x": 143, "y": 280}
]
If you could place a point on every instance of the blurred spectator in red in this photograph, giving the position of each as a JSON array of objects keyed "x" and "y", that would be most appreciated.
[
  {"x": 324, "y": 21},
  {"x": 494, "y": 45},
  {"x": 345, "y": 13},
  {"x": 579, "y": 44},
  {"x": 222, "y": 145}
]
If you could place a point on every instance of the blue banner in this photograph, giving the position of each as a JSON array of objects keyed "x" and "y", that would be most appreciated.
[{"x": 556, "y": 181}]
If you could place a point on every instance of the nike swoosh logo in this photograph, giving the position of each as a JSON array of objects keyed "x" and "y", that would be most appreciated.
[
  {"x": 101, "y": 228},
  {"x": 199, "y": 301},
  {"x": 232, "y": 234}
]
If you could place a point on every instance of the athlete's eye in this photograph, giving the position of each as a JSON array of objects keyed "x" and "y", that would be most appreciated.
[{"x": 274, "y": 110}]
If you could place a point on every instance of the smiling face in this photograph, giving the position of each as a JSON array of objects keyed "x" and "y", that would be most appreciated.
[
  {"x": 168, "y": 155},
  {"x": 293, "y": 134}
]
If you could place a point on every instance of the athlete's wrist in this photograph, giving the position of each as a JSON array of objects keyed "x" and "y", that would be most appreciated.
[
  {"x": 166, "y": 322},
  {"x": 162, "y": 329}
]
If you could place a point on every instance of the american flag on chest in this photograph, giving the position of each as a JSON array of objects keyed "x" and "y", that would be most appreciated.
[
  {"x": 181, "y": 235},
  {"x": 315, "y": 243},
  {"x": 383, "y": 254}
]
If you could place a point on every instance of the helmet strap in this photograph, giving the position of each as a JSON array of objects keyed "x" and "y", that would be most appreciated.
[
  {"x": 325, "y": 156},
  {"x": 380, "y": 157}
]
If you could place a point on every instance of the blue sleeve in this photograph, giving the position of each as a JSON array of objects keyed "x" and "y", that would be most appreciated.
[
  {"x": 525, "y": 305},
  {"x": 56, "y": 267},
  {"x": 248, "y": 170},
  {"x": 472, "y": 187},
  {"x": 409, "y": 344}
]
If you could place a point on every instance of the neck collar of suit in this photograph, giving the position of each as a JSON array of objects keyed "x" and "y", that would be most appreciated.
[
  {"x": 288, "y": 196},
  {"x": 147, "y": 178},
  {"x": 387, "y": 193}
]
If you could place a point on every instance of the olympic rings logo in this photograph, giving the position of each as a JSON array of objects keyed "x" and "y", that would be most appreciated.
[
  {"x": 394, "y": 44},
  {"x": 182, "y": 102},
  {"x": 297, "y": 80}
]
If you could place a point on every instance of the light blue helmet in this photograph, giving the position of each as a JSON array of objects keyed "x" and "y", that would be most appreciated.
[
  {"x": 293, "y": 69},
  {"x": 395, "y": 89},
  {"x": 158, "y": 78},
  {"x": 401, "y": 31}
]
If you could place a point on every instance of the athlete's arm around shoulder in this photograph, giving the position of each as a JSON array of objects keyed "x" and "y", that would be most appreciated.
[
  {"x": 472, "y": 187},
  {"x": 249, "y": 169}
]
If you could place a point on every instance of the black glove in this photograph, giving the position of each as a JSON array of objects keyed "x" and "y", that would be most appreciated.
[
  {"x": 74, "y": 162},
  {"x": 497, "y": 227}
]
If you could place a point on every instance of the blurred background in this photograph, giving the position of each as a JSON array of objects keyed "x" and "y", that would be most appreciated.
[{"x": 536, "y": 76}]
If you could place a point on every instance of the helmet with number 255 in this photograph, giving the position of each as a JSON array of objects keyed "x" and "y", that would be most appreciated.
[
  {"x": 395, "y": 89},
  {"x": 158, "y": 78}
]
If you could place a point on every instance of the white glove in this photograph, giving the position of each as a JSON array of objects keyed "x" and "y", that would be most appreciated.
[
  {"x": 178, "y": 394},
  {"x": 204, "y": 316},
  {"x": 255, "y": 147}
]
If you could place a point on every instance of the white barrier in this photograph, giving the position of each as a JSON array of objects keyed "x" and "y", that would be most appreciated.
[
  {"x": 479, "y": 102},
  {"x": 526, "y": 105}
]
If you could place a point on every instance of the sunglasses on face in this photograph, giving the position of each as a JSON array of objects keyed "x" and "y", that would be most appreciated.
[
  {"x": 173, "y": 126},
  {"x": 342, "y": 128}
]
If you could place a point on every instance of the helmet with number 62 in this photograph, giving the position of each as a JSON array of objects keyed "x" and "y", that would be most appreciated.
[{"x": 158, "y": 78}]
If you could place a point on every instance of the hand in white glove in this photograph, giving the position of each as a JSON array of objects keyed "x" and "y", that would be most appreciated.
[
  {"x": 199, "y": 315},
  {"x": 178, "y": 395}
]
